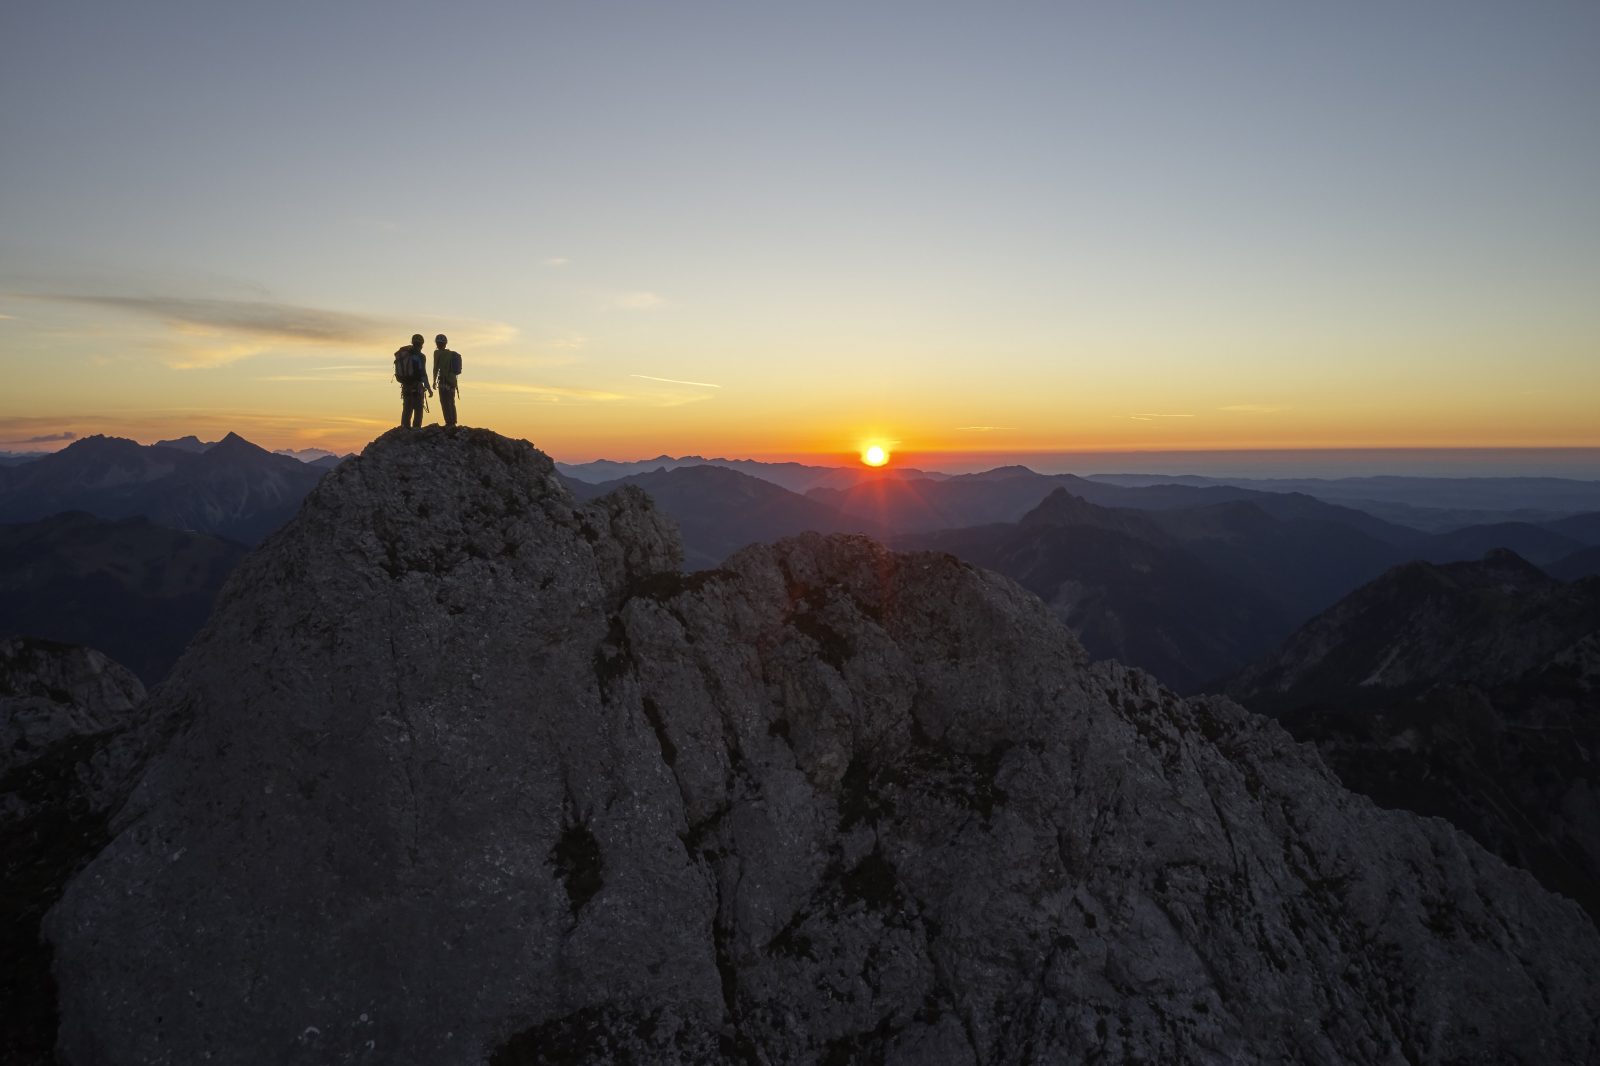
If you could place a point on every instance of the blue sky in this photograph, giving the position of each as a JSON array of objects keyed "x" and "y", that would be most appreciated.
[{"x": 1116, "y": 226}]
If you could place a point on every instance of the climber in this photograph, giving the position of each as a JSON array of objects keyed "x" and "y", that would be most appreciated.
[
  {"x": 411, "y": 371},
  {"x": 446, "y": 368}
]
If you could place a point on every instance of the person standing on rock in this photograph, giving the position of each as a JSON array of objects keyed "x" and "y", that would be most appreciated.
[
  {"x": 446, "y": 368},
  {"x": 411, "y": 371}
]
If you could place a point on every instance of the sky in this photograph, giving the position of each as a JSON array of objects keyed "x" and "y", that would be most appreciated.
[{"x": 782, "y": 231}]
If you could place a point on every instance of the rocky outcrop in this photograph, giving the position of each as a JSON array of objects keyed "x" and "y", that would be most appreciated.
[
  {"x": 463, "y": 772},
  {"x": 61, "y": 710},
  {"x": 1482, "y": 622},
  {"x": 1468, "y": 692},
  {"x": 718, "y": 510},
  {"x": 1127, "y": 589}
]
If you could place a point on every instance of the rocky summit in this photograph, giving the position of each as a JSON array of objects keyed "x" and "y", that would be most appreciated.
[{"x": 462, "y": 771}]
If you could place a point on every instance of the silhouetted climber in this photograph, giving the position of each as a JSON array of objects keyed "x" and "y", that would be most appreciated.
[
  {"x": 446, "y": 368},
  {"x": 411, "y": 371}
]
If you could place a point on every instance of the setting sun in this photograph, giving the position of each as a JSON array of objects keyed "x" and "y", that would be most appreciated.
[{"x": 876, "y": 455}]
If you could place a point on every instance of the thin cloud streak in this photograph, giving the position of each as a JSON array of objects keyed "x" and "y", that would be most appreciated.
[
  {"x": 240, "y": 329},
  {"x": 258, "y": 318},
  {"x": 46, "y": 438},
  {"x": 986, "y": 429},
  {"x": 1153, "y": 417},
  {"x": 326, "y": 379},
  {"x": 676, "y": 381},
  {"x": 1251, "y": 408},
  {"x": 558, "y": 391}
]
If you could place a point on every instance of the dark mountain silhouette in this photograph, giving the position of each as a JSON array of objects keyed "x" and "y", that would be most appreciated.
[
  {"x": 796, "y": 477},
  {"x": 1468, "y": 691},
  {"x": 1536, "y": 543},
  {"x": 233, "y": 489},
  {"x": 1303, "y": 557},
  {"x": 719, "y": 510},
  {"x": 190, "y": 443},
  {"x": 136, "y": 590},
  {"x": 1192, "y": 592},
  {"x": 490, "y": 780},
  {"x": 64, "y": 767},
  {"x": 1419, "y": 624},
  {"x": 309, "y": 455},
  {"x": 1584, "y": 528},
  {"x": 1127, "y": 588},
  {"x": 1532, "y": 497},
  {"x": 1005, "y": 495},
  {"x": 1585, "y": 562}
]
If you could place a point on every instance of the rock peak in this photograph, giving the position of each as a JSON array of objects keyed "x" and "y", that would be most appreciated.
[{"x": 464, "y": 771}]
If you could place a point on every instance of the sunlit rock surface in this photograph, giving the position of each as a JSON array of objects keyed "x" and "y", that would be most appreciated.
[{"x": 463, "y": 772}]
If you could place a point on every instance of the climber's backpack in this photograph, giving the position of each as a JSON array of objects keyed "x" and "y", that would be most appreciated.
[{"x": 408, "y": 367}]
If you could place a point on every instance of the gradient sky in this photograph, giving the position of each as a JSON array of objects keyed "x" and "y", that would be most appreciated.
[{"x": 772, "y": 230}]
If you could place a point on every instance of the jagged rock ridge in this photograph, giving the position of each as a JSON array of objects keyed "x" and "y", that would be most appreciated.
[
  {"x": 463, "y": 772},
  {"x": 61, "y": 710},
  {"x": 1469, "y": 692}
]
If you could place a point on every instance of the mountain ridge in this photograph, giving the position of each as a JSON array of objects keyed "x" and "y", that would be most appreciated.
[{"x": 463, "y": 769}]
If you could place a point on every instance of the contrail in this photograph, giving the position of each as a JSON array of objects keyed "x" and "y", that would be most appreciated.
[{"x": 675, "y": 381}]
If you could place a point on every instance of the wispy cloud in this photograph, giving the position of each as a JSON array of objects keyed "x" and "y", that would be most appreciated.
[
  {"x": 556, "y": 391},
  {"x": 364, "y": 375},
  {"x": 636, "y": 301},
  {"x": 985, "y": 429},
  {"x": 7, "y": 318},
  {"x": 1251, "y": 408},
  {"x": 676, "y": 381},
  {"x": 217, "y": 332},
  {"x": 277, "y": 321},
  {"x": 1148, "y": 417},
  {"x": 557, "y": 261},
  {"x": 45, "y": 438}
]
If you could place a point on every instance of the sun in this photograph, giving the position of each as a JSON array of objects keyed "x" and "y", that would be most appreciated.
[{"x": 875, "y": 455}]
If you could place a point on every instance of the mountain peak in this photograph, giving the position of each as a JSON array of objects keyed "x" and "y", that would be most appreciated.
[
  {"x": 190, "y": 443},
  {"x": 1000, "y": 473},
  {"x": 451, "y": 730}
]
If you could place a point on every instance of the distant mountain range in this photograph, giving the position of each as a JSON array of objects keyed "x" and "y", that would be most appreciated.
[
  {"x": 720, "y": 510},
  {"x": 1469, "y": 691},
  {"x": 1189, "y": 578},
  {"x": 231, "y": 488},
  {"x": 463, "y": 770},
  {"x": 136, "y": 591},
  {"x": 1433, "y": 504},
  {"x": 1191, "y": 582},
  {"x": 1128, "y": 588}
]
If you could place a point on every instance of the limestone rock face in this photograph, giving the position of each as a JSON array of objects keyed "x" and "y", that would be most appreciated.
[
  {"x": 50, "y": 693},
  {"x": 461, "y": 771},
  {"x": 1468, "y": 691},
  {"x": 65, "y": 713}
]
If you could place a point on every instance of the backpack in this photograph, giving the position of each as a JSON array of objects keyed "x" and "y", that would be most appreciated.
[
  {"x": 408, "y": 367},
  {"x": 449, "y": 367}
]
